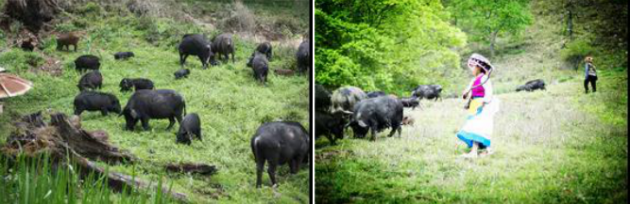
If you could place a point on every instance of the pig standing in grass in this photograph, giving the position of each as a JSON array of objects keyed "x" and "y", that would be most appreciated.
[
  {"x": 264, "y": 48},
  {"x": 147, "y": 104},
  {"x": 260, "y": 65},
  {"x": 329, "y": 125},
  {"x": 303, "y": 57},
  {"x": 189, "y": 127},
  {"x": 196, "y": 44},
  {"x": 410, "y": 102},
  {"x": 91, "y": 80},
  {"x": 67, "y": 39},
  {"x": 278, "y": 143},
  {"x": 377, "y": 114},
  {"x": 427, "y": 91},
  {"x": 96, "y": 101},
  {"x": 87, "y": 62},
  {"x": 344, "y": 98},
  {"x": 223, "y": 46}
]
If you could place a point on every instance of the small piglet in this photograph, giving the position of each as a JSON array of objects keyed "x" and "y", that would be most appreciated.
[
  {"x": 91, "y": 80},
  {"x": 191, "y": 125},
  {"x": 123, "y": 55},
  {"x": 182, "y": 73},
  {"x": 138, "y": 83}
]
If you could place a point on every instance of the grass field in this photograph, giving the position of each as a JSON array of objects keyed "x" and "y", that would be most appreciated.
[
  {"x": 230, "y": 103},
  {"x": 550, "y": 147}
]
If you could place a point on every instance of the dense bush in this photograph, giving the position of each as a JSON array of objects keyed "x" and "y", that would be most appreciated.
[{"x": 575, "y": 51}]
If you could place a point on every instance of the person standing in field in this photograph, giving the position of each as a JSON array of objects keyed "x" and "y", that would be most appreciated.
[
  {"x": 590, "y": 74},
  {"x": 482, "y": 105}
]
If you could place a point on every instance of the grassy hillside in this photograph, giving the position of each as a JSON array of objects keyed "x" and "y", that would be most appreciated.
[
  {"x": 549, "y": 148},
  {"x": 230, "y": 103}
]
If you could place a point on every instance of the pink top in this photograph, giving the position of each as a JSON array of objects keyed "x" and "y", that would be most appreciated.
[{"x": 478, "y": 91}]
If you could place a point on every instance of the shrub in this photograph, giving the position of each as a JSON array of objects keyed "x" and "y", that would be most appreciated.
[
  {"x": 21, "y": 60},
  {"x": 575, "y": 51},
  {"x": 90, "y": 8},
  {"x": 240, "y": 19}
]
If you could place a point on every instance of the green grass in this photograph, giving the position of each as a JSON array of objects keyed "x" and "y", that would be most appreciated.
[
  {"x": 230, "y": 103},
  {"x": 549, "y": 149},
  {"x": 35, "y": 180}
]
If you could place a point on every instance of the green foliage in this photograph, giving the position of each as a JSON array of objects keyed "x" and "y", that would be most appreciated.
[
  {"x": 21, "y": 60},
  {"x": 383, "y": 45},
  {"x": 164, "y": 32},
  {"x": 90, "y": 8},
  {"x": 575, "y": 52},
  {"x": 579, "y": 48},
  {"x": 484, "y": 20}
]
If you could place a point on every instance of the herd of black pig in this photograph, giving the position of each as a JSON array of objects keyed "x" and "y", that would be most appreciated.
[
  {"x": 275, "y": 143},
  {"x": 374, "y": 111}
]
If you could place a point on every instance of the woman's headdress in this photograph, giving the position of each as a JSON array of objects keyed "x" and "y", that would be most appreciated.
[{"x": 479, "y": 60}]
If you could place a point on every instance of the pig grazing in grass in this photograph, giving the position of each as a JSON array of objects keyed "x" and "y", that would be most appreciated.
[
  {"x": 189, "y": 127},
  {"x": 278, "y": 143},
  {"x": 87, "y": 62},
  {"x": 96, "y": 101},
  {"x": 198, "y": 45}
]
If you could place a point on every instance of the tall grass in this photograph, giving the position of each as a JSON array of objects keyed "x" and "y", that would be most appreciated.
[{"x": 38, "y": 180}]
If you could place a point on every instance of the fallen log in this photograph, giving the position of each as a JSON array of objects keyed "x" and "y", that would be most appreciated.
[
  {"x": 67, "y": 143},
  {"x": 202, "y": 169}
]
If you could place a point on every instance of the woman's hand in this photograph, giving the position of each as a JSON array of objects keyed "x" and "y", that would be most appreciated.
[{"x": 465, "y": 94}]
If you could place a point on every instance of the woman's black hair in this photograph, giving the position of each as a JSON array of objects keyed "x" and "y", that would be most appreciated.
[{"x": 484, "y": 67}]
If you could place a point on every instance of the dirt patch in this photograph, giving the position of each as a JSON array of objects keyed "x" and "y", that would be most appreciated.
[{"x": 51, "y": 66}]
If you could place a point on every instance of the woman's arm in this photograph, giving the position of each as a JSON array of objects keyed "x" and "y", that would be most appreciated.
[{"x": 467, "y": 90}]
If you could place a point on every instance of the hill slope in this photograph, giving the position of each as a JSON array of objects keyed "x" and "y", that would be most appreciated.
[
  {"x": 226, "y": 97},
  {"x": 548, "y": 146}
]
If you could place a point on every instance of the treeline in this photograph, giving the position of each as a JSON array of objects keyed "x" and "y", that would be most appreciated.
[
  {"x": 591, "y": 27},
  {"x": 385, "y": 45},
  {"x": 395, "y": 45}
]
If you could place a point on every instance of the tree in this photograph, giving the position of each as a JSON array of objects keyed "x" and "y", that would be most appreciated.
[
  {"x": 487, "y": 19},
  {"x": 598, "y": 27},
  {"x": 389, "y": 45}
]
